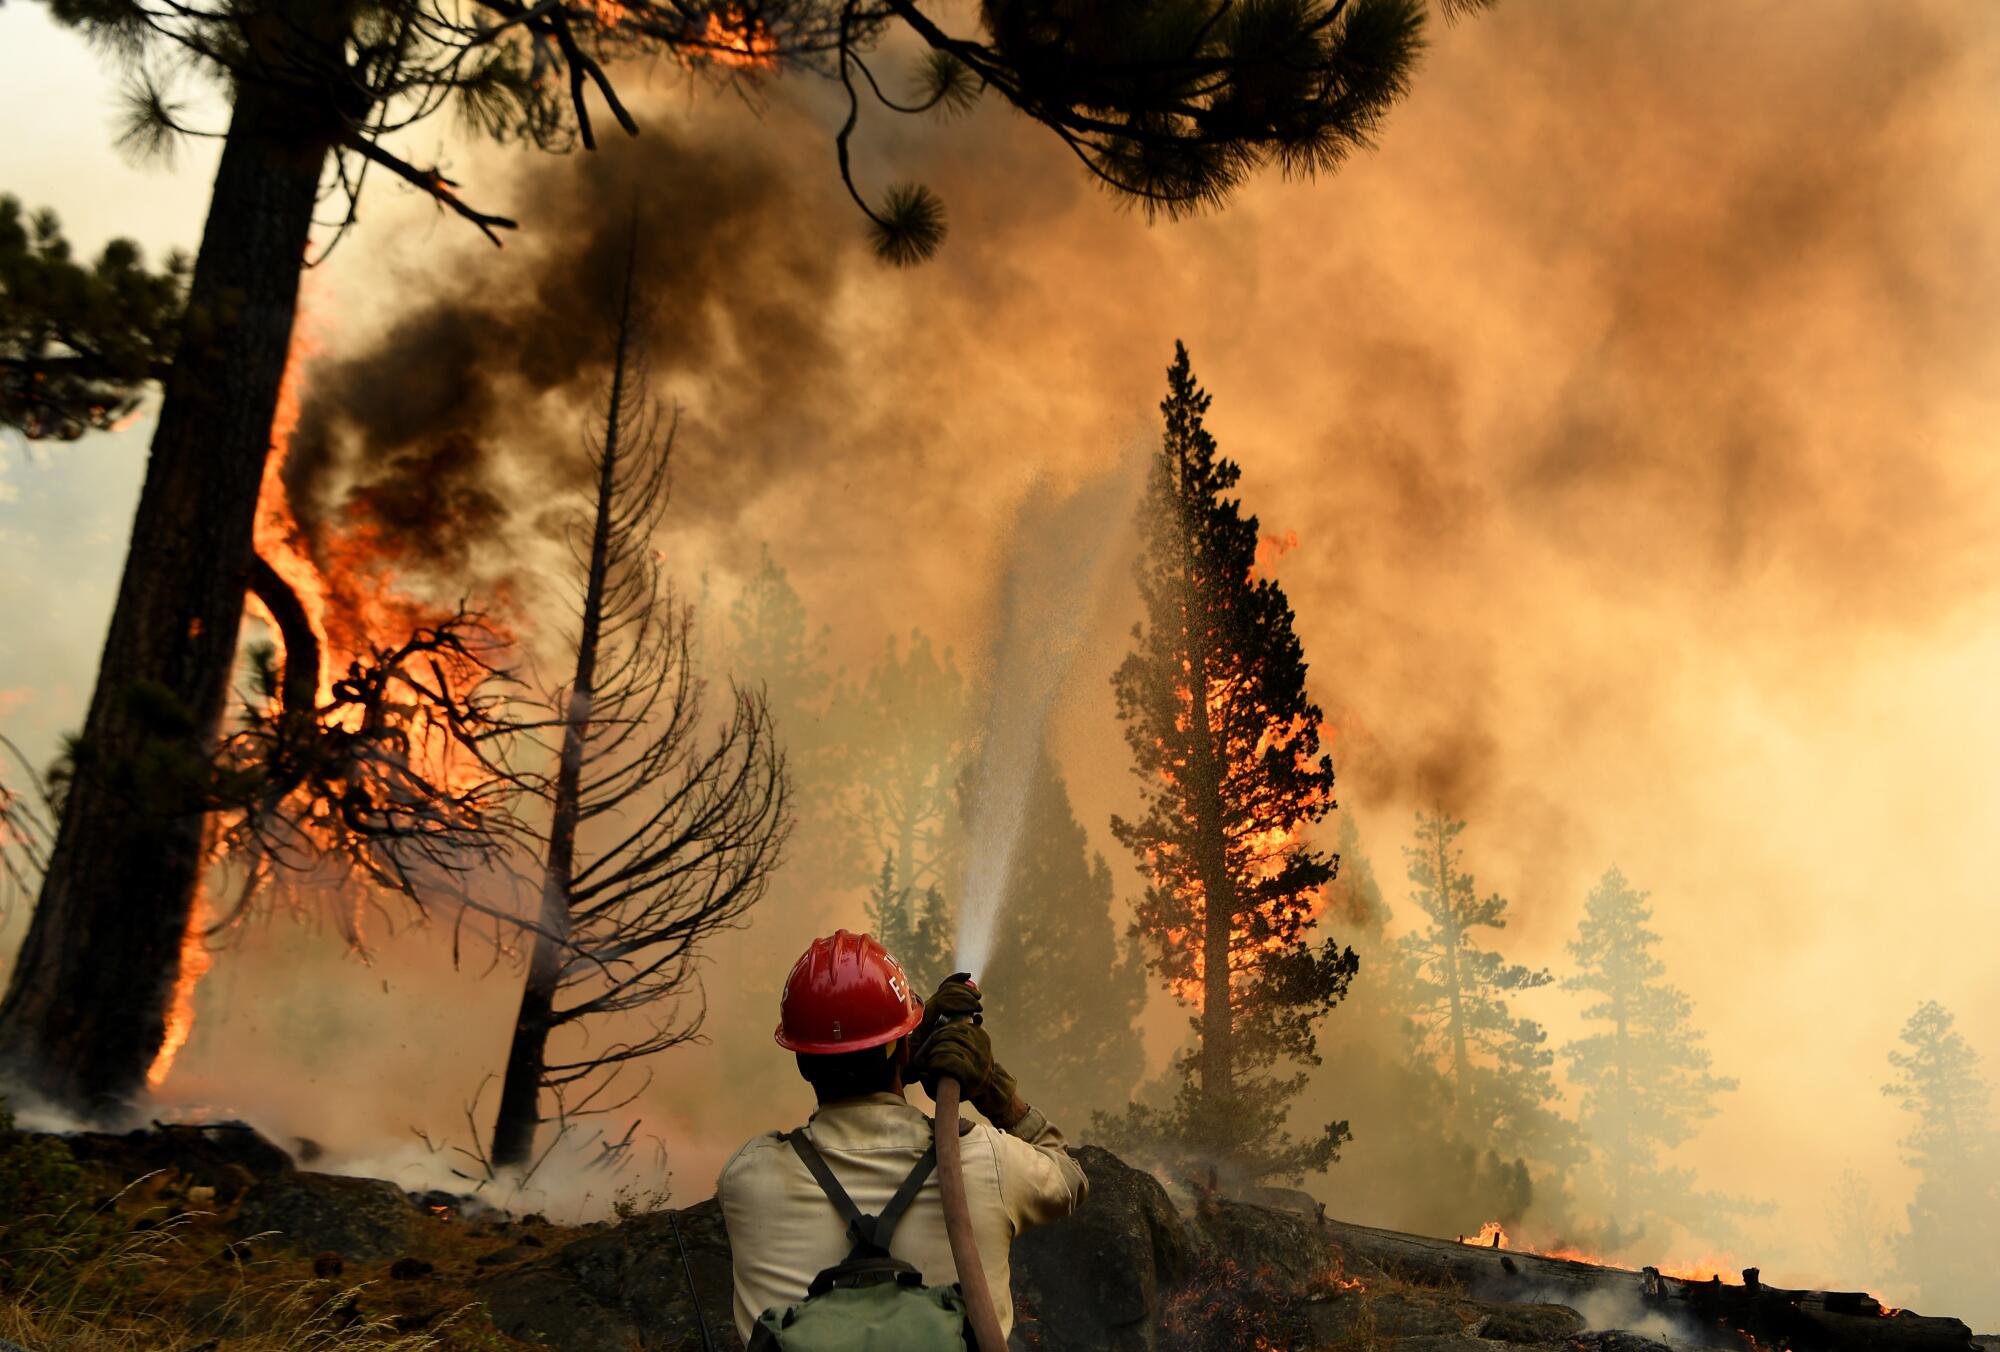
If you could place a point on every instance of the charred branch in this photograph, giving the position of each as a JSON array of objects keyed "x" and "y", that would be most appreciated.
[
  {"x": 300, "y": 689},
  {"x": 398, "y": 779}
]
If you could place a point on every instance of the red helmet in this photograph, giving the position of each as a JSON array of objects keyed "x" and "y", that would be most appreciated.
[{"x": 845, "y": 994}]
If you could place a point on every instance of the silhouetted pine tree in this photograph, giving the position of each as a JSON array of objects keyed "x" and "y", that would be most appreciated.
[
  {"x": 900, "y": 740},
  {"x": 1062, "y": 991},
  {"x": 775, "y": 643},
  {"x": 1947, "y": 1255},
  {"x": 1225, "y": 743},
  {"x": 78, "y": 345},
  {"x": 1494, "y": 1065},
  {"x": 1355, "y": 895},
  {"x": 915, "y": 927},
  {"x": 1645, "y": 1078}
]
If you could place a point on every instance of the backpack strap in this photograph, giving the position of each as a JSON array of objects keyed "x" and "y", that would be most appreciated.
[
  {"x": 869, "y": 1233},
  {"x": 913, "y": 1182}
]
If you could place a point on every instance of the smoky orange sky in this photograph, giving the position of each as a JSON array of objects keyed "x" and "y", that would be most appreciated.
[{"x": 1633, "y": 404}]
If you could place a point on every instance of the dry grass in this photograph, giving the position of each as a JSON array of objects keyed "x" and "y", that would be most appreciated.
[
  {"x": 302, "y": 1321},
  {"x": 137, "y": 1272}
]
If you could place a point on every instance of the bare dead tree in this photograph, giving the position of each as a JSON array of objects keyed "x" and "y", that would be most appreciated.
[{"x": 659, "y": 832}]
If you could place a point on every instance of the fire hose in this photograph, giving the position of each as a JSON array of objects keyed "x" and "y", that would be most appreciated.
[{"x": 979, "y": 1310}]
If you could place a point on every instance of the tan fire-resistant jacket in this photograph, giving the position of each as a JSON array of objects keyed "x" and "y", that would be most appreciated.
[{"x": 783, "y": 1231}]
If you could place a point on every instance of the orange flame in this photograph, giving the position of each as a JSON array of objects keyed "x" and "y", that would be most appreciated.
[
  {"x": 1270, "y": 549},
  {"x": 1261, "y": 849},
  {"x": 279, "y": 541},
  {"x": 728, "y": 36},
  {"x": 194, "y": 965},
  {"x": 350, "y": 606},
  {"x": 1492, "y": 1235},
  {"x": 343, "y": 577},
  {"x": 738, "y": 41}
]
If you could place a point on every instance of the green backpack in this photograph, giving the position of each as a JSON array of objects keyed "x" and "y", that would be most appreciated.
[{"x": 867, "y": 1302}]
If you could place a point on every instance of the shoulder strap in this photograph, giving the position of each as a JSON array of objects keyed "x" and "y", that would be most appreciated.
[
  {"x": 885, "y": 1224},
  {"x": 867, "y": 1232},
  {"x": 816, "y": 1165}
]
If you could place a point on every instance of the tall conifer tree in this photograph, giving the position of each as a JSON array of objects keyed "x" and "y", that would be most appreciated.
[
  {"x": 776, "y": 644},
  {"x": 1645, "y": 1077},
  {"x": 914, "y": 926},
  {"x": 900, "y": 742},
  {"x": 1494, "y": 1063},
  {"x": 1226, "y": 746},
  {"x": 1062, "y": 991},
  {"x": 1947, "y": 1254}
]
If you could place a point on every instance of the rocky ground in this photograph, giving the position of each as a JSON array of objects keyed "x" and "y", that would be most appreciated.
[{"x": 1131, "y": 1272}]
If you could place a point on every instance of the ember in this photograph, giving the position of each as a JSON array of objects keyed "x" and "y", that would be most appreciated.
[{"x": 1229, "y": 1308}]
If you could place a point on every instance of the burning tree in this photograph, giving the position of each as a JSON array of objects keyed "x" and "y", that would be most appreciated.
[
  {"x": 1947, "y": 1253},
  {"x": 318, "y": 89},
  {"x": 658, "y": 834},
  {"x": 367, "y": 764},
  {"x": 1494, "y": 1065},
  {"x": 1062, "y": 994},
  {"x": 1645, "y": 1078},
  {"x": 1226, "y": 746}
]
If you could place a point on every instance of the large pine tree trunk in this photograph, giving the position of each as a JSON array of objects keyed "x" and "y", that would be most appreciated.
[
  {"x": 85, "y": 1009},
  {"x": 1211, "y": 856}
]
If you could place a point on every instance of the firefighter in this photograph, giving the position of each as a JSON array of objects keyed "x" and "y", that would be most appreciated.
[{"x": 861, "y": 1036}]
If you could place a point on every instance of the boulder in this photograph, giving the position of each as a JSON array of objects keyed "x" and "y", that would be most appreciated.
[
  {"x": 1281, "y": 1241},
  {"x": 1100, "y": 1279},
  {"x": 623, "y": 1287},
  {"x": 362, "y": 1219}
]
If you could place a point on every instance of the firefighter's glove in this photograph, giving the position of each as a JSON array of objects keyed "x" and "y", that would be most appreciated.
[
  {"x": 957, "y": 998},
  {"x": 964, "y": 1052}
]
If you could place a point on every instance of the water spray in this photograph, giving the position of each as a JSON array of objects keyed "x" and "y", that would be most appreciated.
[{"x": 1058, "y": 566}]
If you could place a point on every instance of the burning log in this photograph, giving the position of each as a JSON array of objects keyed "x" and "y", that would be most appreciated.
[{"x": 1809, "y": 1321}]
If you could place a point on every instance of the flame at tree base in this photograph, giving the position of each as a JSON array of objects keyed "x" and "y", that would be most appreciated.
[{"x": 195, "y": 960}]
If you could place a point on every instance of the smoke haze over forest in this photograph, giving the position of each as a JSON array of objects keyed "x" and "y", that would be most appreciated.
[{"x": 1631, "y": 406}]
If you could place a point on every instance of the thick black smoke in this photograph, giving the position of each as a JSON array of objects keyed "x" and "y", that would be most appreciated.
[{"x": 460, "y": 424}]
